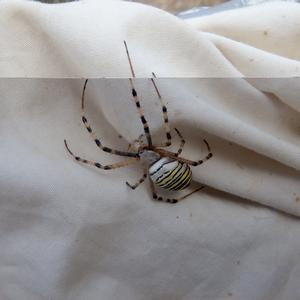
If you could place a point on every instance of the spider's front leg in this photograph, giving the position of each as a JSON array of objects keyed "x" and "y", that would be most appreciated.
[
  {"x": 182, "y": 142},
  {"x": 97, "y": 164},
  {"x": 137, "y": 101},
  {"x": 93, "y": 135},
  {"x": 165, "y": 115}
]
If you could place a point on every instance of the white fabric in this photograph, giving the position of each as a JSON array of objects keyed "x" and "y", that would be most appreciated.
[
  {"x": 85, "y": 39},
  {"x": 69, "y": 231}
]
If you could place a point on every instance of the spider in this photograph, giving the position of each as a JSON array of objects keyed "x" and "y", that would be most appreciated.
[{"x": 165, "y": 169}]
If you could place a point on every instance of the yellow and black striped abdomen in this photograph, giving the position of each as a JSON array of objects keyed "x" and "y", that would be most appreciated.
[{"x": 170, "y": 174}]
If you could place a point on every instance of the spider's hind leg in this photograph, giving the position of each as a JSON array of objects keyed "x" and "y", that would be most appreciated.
[
  {"x": 171, "y": 200},
  {"x": 185, "y": 160},
  {"x": 201, "y": 161},
  {"x": 141, "y": 180}
]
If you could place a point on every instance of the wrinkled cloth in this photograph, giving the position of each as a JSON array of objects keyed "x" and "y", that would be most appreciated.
[
  {"x": 72, "y": 231},
  {"x": 85, "y": 39}
]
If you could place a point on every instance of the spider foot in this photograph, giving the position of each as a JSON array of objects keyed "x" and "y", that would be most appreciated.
[{"x": 131, "y": 186}]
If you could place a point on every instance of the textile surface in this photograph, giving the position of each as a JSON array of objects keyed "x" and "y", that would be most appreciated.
[{"x": 71, "y": 231}]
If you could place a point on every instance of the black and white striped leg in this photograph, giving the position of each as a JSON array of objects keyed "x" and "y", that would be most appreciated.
[
  {"x": 170, "y": 154},
  {"x": 94, "y": 137},
  {"x": 165, "y": 116},
  {"x": 182, "y": 142},
  {"x": 141, "y": 180},
  {"x": 207, "y": 157},
  {"x": 142, "y": 117},
  {"x": 137, "y": 101},
  {"x": 98, "y": 165},
  {"x": 155, "y": 196},
  {"x": 188, "y": 161},
  {"x": 171, "y": 200}
]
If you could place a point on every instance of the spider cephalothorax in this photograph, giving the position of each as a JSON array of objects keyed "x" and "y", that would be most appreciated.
[
  {"x": 165, "y": 169},
  {"x": 148, "y": 157}
]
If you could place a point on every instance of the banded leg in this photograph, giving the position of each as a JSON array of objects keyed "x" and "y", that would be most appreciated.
[
  {"x": 137, "y": 101},
  {"x": 171, "y": 200},
  {"x": 94, "y": 137},
  {"x": 207, "y": 157},
  {"x": 98, "y": 165},
  {"x": 181, "y": 143},
  {"x": 134, "y": 186},
  {"x": 170, "y": 154},
  {"x": 165, "y": 115}
]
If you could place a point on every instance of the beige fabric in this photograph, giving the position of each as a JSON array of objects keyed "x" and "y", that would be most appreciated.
[
  {"x": 79, "y": 39},
  {"x": 69, "y": 231}
]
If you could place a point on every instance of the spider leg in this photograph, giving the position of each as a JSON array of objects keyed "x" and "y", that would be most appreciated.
[
  {"x": 165, "y": 115},
  {"x": 137, "y": 101},
  {"x": 184, "y": 160},
  {"x": 98, "y": 165},
  {"x": 94, "y": 137},
  {"x": 141, "y": 180},
  {"x": 201, "y": 161},
  {"x": 170, "y": 200},
  {"x": 181, "y": 143},
  {"x": 142, "y": 117}
]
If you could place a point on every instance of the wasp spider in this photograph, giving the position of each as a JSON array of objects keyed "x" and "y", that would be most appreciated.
[{"x": 165, "y": 169}]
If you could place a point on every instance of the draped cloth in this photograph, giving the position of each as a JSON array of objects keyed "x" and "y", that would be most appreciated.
[{"x": 71, "y": 231}]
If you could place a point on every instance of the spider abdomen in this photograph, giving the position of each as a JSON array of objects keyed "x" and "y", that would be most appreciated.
[{"x": 170, "y": 174}]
